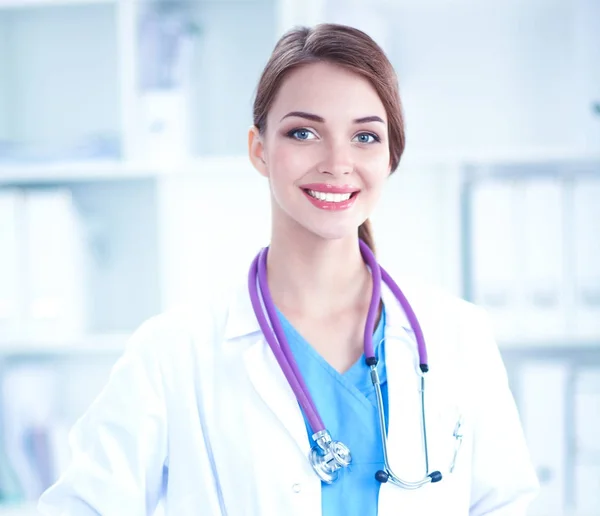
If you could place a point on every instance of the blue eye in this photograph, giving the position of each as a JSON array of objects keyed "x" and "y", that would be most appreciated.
[
  {"x": 367, "y": 138},
  {"x": 301, "y": 134}
]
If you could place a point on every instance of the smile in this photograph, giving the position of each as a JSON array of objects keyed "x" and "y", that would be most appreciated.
[{"x": 330, "y": 197}]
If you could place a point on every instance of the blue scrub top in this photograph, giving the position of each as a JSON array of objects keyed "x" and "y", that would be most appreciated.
[{"x": 348, "y": 407}]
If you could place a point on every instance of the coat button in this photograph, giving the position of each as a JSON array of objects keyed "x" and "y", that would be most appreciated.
[{"x": 297, "y": 488}]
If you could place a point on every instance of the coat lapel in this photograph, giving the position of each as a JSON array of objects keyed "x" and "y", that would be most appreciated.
[
  {"x": 405, "y": 441},
  {"x": 262, "y": 369},
  {"x": 272, "y": 386}
]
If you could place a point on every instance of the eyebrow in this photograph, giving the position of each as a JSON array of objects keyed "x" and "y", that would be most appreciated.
[{"x": 320, "y": 119}]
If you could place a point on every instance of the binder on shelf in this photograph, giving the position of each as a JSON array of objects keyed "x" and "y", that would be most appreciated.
[
  {"x": 12, "y": 262},
  {"x": 494, "y": 221},
  {"x": 543, "y": 244},
  {"x": 586, "y": 249},
  {"x": 543, "y": 407},
  {"x": 55, "y": 265}
]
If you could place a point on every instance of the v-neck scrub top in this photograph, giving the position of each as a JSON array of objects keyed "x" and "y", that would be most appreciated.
[{"x": 347, "y": 404}]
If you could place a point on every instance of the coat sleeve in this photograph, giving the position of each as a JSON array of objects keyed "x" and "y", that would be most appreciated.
[
  {"x": 503, "y": 478},
  {"x": 118, "y": 447}
]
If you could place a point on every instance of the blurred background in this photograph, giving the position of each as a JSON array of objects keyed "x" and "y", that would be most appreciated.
[{"x": 125, "y": 187}]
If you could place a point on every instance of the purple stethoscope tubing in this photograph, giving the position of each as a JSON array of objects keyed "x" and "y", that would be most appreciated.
[
  {"x": 277, "y": 342},
  {"x": 275, "y": 337}
]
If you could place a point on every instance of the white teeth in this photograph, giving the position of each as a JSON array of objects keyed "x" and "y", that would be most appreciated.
[{"x": 329, "y": 197}]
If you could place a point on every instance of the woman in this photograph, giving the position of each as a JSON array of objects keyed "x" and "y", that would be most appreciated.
[{"x": 198, "y": 411}]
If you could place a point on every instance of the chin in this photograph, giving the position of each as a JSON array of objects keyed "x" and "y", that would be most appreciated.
[{"x": 334, "y": 233}]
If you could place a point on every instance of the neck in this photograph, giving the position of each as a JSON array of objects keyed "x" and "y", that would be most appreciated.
[{"x": 311, "y": 275}]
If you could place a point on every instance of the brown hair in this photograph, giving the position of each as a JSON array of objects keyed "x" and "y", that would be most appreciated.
[{"x": 345, "y": 46}]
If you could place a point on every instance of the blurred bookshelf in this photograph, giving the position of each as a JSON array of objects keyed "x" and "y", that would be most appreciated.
[{"x": 93, "y": 169}]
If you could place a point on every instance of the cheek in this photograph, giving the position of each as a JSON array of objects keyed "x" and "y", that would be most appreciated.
[
  {"x": 378, "y": 171},
  {"x": 287, "y": 163}
]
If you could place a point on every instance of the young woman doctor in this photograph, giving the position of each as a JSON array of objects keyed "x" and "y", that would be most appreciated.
[{"x": 322, "y": 385}]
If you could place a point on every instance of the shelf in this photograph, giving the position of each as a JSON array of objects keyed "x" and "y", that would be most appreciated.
[
  {"x": 108, "y": 170},
  {"x": 112, "y": 344},
  {"x": 23, "y": 173},
  {"x": 492, "y": 157},
  {"x": 23, "y": 4}
]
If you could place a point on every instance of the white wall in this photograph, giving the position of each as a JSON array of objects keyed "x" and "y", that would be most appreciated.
[{"x": 475, "y": 77}]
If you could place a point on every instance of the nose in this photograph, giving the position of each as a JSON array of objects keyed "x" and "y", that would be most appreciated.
[{"x": 337, "y": 159}]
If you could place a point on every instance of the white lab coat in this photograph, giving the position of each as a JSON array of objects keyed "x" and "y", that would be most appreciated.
[{"x": 198, "y": 394}]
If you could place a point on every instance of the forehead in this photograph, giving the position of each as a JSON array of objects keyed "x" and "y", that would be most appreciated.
[{"x": 327, "y": 90}]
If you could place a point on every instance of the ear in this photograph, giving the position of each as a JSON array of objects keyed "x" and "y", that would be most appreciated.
[{"x": 256, "y": 151}]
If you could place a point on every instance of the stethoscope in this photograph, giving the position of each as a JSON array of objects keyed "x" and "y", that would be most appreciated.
[{"x": 327, "y": 456}]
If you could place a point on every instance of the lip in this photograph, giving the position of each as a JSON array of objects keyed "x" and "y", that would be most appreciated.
[
  {"x": 331, "y": 206},
  {"x": 329, "y": 188}
]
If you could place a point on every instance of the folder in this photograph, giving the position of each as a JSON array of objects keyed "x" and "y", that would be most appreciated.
[
  {"x": 494, "y": 223},
  {"x": 586, "y": 249},
  {"x": 12, "y": 273},
  {"x": 56, "y": 266},
  {"x": 544, "y": 411},
  {"x": 543, "y": 245}
]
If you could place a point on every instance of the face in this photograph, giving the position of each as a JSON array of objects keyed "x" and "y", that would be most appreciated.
[{"x": 325, "y": 151}]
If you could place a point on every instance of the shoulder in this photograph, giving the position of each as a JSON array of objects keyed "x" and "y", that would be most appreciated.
[
  {"x": 438, "y": 302},
  {"x": 453, "y": 325},
  {"x": 184, "y": 326}
]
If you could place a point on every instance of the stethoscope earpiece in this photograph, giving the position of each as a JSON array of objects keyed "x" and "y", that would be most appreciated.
[
  {"x": 381, "y": 476},
  {"x": 436, "y": 476}
]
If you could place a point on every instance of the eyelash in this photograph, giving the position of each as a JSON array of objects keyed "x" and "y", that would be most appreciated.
[{"x": 290, "y": 134}]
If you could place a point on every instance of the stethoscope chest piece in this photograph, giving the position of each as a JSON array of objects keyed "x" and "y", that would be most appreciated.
[{"x": 327, "y": 457}]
